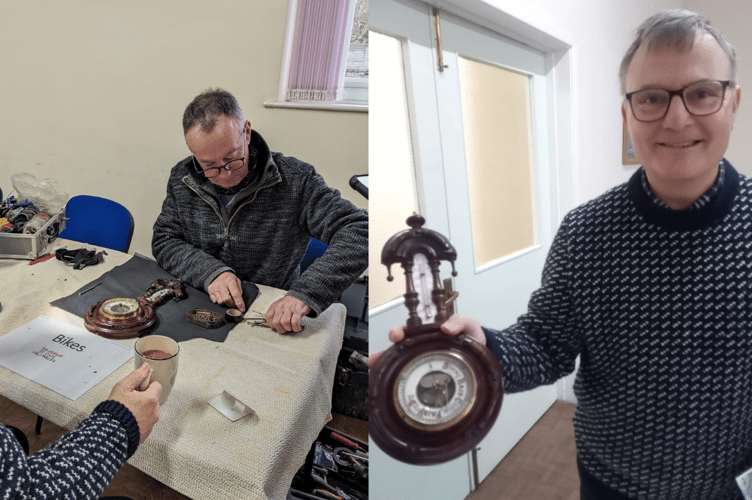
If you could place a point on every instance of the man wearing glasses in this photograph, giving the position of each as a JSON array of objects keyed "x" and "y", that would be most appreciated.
[
  {"x": 651, "y": 285},
  {"x": 237, "y": 211}
]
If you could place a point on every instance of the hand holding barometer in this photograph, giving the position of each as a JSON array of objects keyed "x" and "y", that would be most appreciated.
[{"x": 433, "y": 396}]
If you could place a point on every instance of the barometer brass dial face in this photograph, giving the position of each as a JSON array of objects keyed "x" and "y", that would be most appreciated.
[
  {"x": 435, "y": 390},
  {"x": 119, "y": 308},
  {"x": 433, "y": 397}
]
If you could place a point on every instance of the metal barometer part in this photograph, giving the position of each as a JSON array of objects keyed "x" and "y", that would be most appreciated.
[
  {"x": 205, "y": 318},
  {"x": 125, "y": 318},
  {"x": 432, "y": 397}
]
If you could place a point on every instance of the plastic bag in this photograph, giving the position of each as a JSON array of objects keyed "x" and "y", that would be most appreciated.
[{"x": 46, "y": 195}]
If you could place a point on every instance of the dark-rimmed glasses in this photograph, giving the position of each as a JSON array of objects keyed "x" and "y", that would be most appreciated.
[
  {"x": 214, "y": 171},
  {"x": 699, "y": 98}
]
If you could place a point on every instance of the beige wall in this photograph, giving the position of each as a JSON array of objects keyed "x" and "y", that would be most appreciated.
[{"x": 92, "y": 95}]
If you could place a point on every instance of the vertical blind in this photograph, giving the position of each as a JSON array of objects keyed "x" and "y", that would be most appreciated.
[{"x": 321, "y": 31}]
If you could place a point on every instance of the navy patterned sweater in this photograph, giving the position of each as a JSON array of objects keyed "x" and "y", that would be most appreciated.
[
  {"x": 658, "y": 304},
  {"x": 80, "y": 465}
]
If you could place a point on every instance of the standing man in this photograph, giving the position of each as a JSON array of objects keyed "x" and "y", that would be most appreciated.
[
  {"x": 650, "y": 285},
  {"x": 237, "y": 211}
]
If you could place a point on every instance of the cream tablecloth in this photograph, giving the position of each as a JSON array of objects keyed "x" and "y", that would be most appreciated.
[{"x": 194, "y": 449}]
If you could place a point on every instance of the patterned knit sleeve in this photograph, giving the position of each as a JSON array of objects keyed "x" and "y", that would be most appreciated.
[
  {"x": 544, "y": 343},
  {"x": 80, "y": 465}
]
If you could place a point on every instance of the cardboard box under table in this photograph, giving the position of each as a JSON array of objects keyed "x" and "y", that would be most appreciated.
[{"x": 194, "y": 449}]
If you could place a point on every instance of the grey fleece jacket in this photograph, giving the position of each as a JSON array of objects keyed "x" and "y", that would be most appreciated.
[{"x": 264, "y": 233}]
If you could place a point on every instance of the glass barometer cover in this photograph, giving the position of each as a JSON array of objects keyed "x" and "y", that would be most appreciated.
[{"x": 432, "y": 397}]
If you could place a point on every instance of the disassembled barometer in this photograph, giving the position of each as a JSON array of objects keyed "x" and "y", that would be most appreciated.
[
  {"x": 432, "y": 397},
  {"x": 125, "y": 318}
]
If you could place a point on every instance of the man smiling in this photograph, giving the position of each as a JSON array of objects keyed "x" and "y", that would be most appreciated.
[
  {"x": 649, "y": 285},
  {"x": 236, "y": 211},
  {"x": 680, "y": 138}
]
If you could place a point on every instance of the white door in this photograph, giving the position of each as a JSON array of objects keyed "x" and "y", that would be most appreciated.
[
  {"x": 501, "y": 219},
  {"x": 451, "y": 147}
]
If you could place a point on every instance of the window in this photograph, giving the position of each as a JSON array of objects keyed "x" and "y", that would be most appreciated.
[
  {"x": 356, "y": 73},
  {"x": 325, "y": 56}
]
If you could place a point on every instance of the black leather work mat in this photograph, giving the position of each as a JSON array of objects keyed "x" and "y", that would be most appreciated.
[{"x": 132, "y": 279}]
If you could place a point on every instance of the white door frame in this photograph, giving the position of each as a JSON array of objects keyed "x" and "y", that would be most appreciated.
[{"x": 560, "y": 55}]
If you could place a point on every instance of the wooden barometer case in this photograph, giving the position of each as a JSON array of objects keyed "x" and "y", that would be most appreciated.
[
  {"x": 433, "y": 396},
  {"x": 125, "y": 318}
]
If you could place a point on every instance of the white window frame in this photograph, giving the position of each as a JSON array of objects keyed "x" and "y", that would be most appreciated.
[{"x": 356, "y": 89}]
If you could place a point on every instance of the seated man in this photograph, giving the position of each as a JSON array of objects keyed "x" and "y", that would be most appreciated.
[{"x": 237, "y": 211}]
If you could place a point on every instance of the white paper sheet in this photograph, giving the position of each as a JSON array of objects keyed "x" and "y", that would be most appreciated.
[{"x": 61, "y": 357}]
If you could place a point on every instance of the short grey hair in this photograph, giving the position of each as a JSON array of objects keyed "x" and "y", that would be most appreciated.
[
  {"x": 674, "y": 29},
  {"x": 206, "y": 107}
]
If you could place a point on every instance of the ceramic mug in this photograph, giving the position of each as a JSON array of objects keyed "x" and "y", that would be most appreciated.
[{"x": 161, "y": 353}]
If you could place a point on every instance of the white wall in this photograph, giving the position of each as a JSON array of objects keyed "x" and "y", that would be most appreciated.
[
  {"x": 732, "y": 18},
  {"x": 92, "y": 95}
]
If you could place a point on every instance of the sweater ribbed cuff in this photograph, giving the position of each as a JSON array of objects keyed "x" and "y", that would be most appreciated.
[
  {"x": 208, "y": 281},
  {"x": 126, "y": 418},
  {"x": 315, "y": 306},
  {"x": 493, "y": 342}
]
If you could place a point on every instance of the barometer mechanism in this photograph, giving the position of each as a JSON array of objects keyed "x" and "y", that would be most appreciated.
[
  {"x": 125, "y": 318},
  {"x": 433, "y": 396}
]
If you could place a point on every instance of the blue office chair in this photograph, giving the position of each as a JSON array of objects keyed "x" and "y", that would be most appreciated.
[
  {"x": 98, "y": 221},
  {"x": 315, "y": 249}
]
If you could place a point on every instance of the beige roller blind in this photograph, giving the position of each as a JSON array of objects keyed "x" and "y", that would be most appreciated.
[{"x": 498, "y": 148}]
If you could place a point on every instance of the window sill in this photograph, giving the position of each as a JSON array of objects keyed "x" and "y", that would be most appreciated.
[{"x": 340, "y": 106}]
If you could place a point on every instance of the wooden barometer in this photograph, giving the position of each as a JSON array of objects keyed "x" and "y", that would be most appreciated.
[
  {"x": 125, "y": 318},
  {"x": 433, "y": 396}
]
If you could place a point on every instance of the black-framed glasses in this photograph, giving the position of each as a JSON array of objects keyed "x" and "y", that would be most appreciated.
[
  {"x": 699, "y": 98},
  {"x": 214, "y": 171}
]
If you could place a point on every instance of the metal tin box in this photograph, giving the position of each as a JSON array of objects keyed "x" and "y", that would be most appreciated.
[{"x": 31, "y": 246}]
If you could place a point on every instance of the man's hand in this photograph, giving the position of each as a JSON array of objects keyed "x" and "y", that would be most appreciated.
[
  {"x": 227, "y": 289},
  {"x": 455, "y": 325},
  {"x": 284, "y": 315},
  {"x": 143, "y": 405}
]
